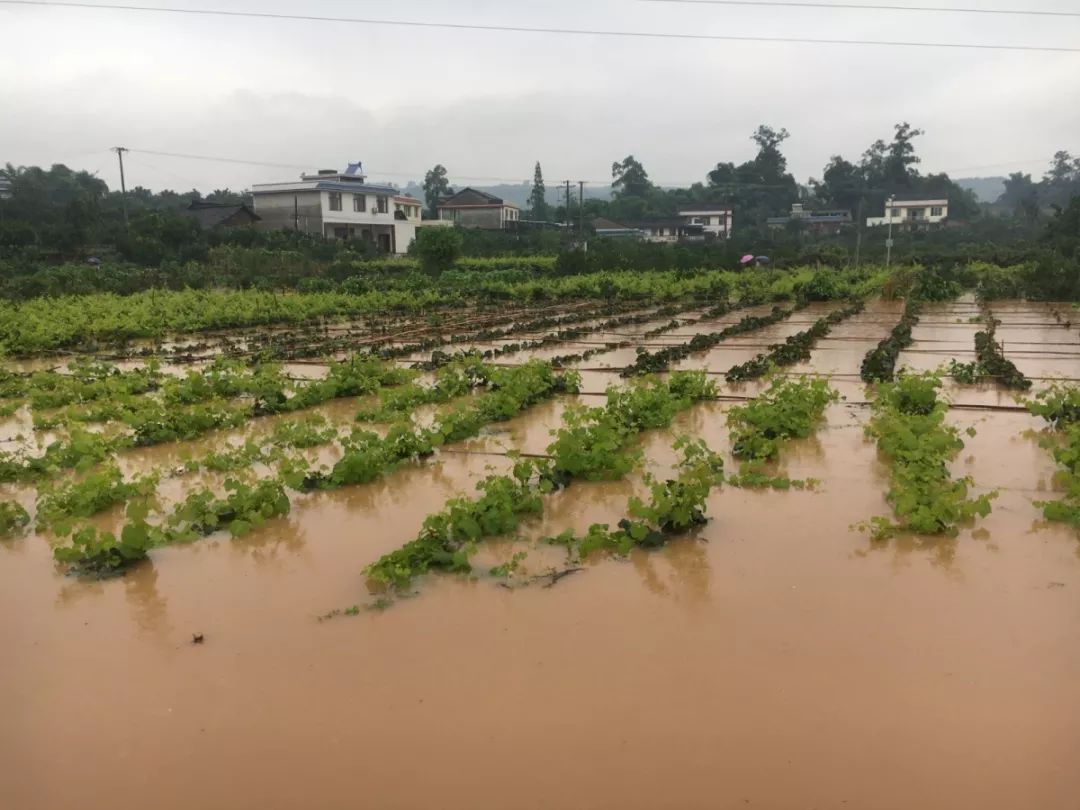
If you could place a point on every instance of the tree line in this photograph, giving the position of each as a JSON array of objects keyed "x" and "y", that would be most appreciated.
[
  {"x": 59, "y": 213},
  {"x": 763, "y": 187}
]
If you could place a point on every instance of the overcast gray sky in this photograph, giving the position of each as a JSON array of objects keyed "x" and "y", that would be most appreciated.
[{"x": 74, "y": 82}]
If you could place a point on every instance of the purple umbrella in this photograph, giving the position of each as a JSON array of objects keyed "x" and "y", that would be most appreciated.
[{"x": 746, "y": 259}]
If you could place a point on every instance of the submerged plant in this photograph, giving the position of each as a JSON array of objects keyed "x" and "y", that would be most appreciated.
[
  {"x": 909, "y": 426},
  {"x": 1059, "y": 405},
  {"x": 59, "y": 508},
  {"x": 675, "y": 506},
  {"x": 100, "y": 553},
  {"x": 13, "y": 518}
]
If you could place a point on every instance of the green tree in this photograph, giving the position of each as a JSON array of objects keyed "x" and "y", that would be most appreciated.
[
  {"x": 889, "y": 168},
  {"x": 760, "y": 187},
  {"x": 769, "y": 161},
  {"x": 1062, "y": 180},
  {"x": 1063, "y": 232},
  {"x": 538, "y": 206},
  {"x": 437, "y": 248},
  {"x": 900, "y": 157},
  {"x": 629, "y": 178},
  {"x": 436, "y": 185},
  {"x": 1021, "y": 196},
  {"x": 842, "y": 184}
]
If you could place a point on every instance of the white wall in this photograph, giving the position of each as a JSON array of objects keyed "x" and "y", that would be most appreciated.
[
  {"x": 350, "y": 217},
  {"x": 717, "y": 223},
  {"x": 900, "y": 213},
  {"x": 404, "y": 234}
]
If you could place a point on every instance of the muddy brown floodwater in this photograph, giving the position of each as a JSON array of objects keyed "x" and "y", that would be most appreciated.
[{"x": 777, "y": 659}]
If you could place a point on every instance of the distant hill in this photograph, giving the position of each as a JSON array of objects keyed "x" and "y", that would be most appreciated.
[
  {"x": 987, "y": 189},
  {"x": 518, "y": 194}
]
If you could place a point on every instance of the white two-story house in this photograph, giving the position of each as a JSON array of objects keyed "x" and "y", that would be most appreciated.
[
  {"x": 912, "y": 213},
  {"x": 340, "y": 205},
  {"x": 716, "y": 221}
]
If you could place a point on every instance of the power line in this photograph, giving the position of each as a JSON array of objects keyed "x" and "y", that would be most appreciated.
[
  {"x": 221, "y": 159},
  {"x": 141, "y": 162},
  {"x": 542, "y": 30},
  {"x": 872, "y": 7},
  {"x": 518, "y": 181},
  {"x": 383, "y": 172}
]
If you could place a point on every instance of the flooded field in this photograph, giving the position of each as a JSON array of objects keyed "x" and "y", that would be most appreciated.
[{"x": 774, "y": 658}]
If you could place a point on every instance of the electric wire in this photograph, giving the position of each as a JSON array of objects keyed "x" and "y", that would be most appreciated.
[
  {"x": 873, "y": 7},
  {"x": 522, "y": 29}
]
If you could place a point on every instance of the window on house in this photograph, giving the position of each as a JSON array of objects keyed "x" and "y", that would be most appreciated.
[
  {"x": 381, "y": 204},
  {"x": 936, "y": 211},
  {"x": 359, "y": 202},
  {"x": 917, "y": 213},
  {"x": 896, "y": 212},
  {"x": 335, "y": 200}
]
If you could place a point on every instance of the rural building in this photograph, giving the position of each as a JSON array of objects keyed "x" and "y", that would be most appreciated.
[
  {"x": 819, "y": 221},
  {"x": 221, "y": 215},
  {"x": 471, "y": 208},
  {"x": 340, "y": 205},
  {"x": 912, "y": 213},
  {"x": 609, "y": 228},
  {"x": 670, "y": 229},
  {"x": 690, "y": 225},
  {"x": 716, "y": 221}
]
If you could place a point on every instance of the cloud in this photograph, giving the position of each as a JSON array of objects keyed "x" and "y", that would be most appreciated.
[{"x": 489, "y": 105}]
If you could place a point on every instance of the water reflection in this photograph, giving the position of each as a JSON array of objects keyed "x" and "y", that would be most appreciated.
[
  {"x": 940, "y": 552},
  {"x": 280, "y": 540},
  {"x": 140, "y": 587},
  {"x": 805, "y": 450},
  {"x": 74, "y": 590},
  {"x": 14, "y": 545},
  {"x": 148, "y": 606},
  {"x": 645, "y": 564},
  {"x": 689, "y": 576}
]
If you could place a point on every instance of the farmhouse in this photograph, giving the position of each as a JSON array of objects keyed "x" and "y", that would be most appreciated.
[
  {"x": 698, "y": 224},
  {"x": 715, "y": 220},
  {"x": 472, "y": 208},
  {"x": 340, "y": 205},
  {"x": 912, "y": 213},
  {"x": 221, "y": 215},
  {"x": 819, "y": 221}
]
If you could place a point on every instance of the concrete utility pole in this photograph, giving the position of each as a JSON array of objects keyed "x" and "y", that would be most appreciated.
[
  {"x": 888, "y": 240},
  {"x": 567, "y": 223},
  {"x": 123, "y": 186},
  {"x": 581, "y": 210}
]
